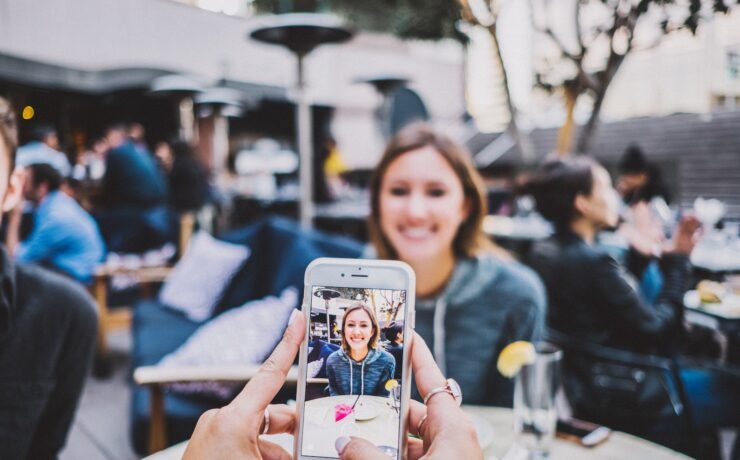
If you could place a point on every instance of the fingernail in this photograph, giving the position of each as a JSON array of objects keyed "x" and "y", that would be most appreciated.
[
  {"x": 341, "y": 443},
  {"x": 293, "y": 316}
]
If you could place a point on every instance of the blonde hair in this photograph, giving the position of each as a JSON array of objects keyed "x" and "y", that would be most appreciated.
[
  {"x": 470, "y": 239},
  {"x": 376, "y": 329}
]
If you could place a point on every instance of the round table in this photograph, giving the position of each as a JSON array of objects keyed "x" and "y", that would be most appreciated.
[
  {"x": 321, "y": 430},
  {"x": 499, "y": 427}
]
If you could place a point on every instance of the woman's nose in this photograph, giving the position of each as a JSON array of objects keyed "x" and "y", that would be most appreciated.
[{"x": 417, "y": 205}]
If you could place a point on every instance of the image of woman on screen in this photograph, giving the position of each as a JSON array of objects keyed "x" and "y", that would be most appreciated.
[{"x": 360, "y": 367}]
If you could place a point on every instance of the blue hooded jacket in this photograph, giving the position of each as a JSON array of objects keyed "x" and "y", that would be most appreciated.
[{"x": 368, "y": 377}]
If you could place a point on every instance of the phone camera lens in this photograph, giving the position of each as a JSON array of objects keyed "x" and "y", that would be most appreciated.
[{"x": 342, "y": 275}]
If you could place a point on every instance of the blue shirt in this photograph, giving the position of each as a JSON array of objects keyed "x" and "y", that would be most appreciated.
[{"x": 64, "y": 237}]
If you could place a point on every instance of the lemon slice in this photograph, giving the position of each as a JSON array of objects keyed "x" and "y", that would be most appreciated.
[
  {"x": 391, "y": 384},
  {"x": 514, "y": 356}
]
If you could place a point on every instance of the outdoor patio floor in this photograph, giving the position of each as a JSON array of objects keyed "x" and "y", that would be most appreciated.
[{"x": 100, "y": 429}]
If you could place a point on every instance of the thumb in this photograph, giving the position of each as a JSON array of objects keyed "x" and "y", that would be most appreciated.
[{"x": 358, "y": 449}]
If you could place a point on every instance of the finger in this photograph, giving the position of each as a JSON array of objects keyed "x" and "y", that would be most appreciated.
[
  {"x": 417, "y": 411},
  {"x": 361, "y": 449},
  {"x": 416, "y": 448},
  {"x": 260, "y": 390},
  {"x": 282, "y": 419},
  {"x": 271, "y": 451},
  {"x": 428, "y": 375}
]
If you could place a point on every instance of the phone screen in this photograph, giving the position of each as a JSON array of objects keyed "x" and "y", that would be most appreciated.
[{"x": 354, "y": 371}]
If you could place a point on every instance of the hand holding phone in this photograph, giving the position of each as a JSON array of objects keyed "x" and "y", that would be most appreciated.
[{"x": 232, "y": 432}]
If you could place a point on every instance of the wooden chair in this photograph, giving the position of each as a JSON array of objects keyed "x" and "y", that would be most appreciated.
[
  {"x": 120, "y": 317},
  {"x": 156, "y": 378}
]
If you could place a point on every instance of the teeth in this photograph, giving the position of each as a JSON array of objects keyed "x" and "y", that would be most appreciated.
[{"x": 417, "y": 232}]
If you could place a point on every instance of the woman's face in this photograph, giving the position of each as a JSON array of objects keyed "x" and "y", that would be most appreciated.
[
  {"x": 422, "y": 205},
  {"x": 358, "y": 329},
  {"x": 601, "y": 208}
]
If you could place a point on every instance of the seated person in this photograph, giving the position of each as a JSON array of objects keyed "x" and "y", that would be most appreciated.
[
  {"x": 133, "y": 215},
  {"x": 186, "y": 176},
  {"x": 64, "y": 236},
  {"x": 318, "y": 352},
  {"x": 394, "y": 335},
  {"x": 427, "y": 204},
  {"x": 592, "y": 297},
  {"x": 48, "y": 328},
  {"x": 44, "y": 148},
  {"x": 360, "y": 367}
]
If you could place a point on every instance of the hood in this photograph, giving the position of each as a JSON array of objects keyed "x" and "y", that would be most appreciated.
[
  {"x": 371, "y": 357},
  {"x": 470, "y": 277},
  {"x": 7, "y": 291}
]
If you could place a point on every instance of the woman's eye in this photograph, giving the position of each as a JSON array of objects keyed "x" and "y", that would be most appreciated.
[
  {"x": 399, "y": 191},
  {"x": 436, "y": 192}
]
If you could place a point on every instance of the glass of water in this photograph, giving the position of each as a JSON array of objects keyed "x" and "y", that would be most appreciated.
[{"x": 535, "y": 416}]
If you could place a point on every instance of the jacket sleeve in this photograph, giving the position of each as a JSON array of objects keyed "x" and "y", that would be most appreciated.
[
  {"x": 620, "y": 300},
  {"x": 525, "y": 322}
]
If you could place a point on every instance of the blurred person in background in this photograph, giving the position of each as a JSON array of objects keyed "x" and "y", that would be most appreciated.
[
  {"x": 646, "y": 217},
  {"x": 133, "y": 215},
  {"x": 639, "y": 180},
  {"x": 187, "y": 178},
  {"x": 393, "y": 333},
  {"x": 64, "y": 237},
  {"x": 593, "y": 298},
  {"x": 44, "y": 148},
  {"x": 427, "y": 207},
  {"x": 48, "y": 329}
]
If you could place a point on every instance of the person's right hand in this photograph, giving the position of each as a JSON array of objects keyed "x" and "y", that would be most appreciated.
[
  {"x": 447, "y": 432},
  {"x": 687, "y": 234}
]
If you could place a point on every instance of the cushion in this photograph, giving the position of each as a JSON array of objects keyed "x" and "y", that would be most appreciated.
[
  {"x": 281, "y": 253},
  {"x": 241, "y": 336},
  {"x": 198, "y": 280}
]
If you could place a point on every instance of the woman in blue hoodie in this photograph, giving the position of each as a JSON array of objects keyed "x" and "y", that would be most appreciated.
[
  {"x": 427, "y": 204},
  {"x": 360, "y": 367}
]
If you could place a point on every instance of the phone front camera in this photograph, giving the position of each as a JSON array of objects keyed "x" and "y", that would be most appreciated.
[{"x": 342, "y": 275}]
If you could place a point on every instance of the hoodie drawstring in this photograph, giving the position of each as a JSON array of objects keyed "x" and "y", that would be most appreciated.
[
  {"x": 362, "y": 377},
  {"x": 440, "y": 312}
]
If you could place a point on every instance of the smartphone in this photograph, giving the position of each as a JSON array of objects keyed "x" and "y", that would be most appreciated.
[
  {"x": 354, "y": 373},
  {"x": 584, "y": 433}
]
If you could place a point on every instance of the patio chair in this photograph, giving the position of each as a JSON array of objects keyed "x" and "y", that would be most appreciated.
[
  {"x": 119, "y": 317},
  {"x": 632, "y": 392},
  {"x": 280, "y": 253}
]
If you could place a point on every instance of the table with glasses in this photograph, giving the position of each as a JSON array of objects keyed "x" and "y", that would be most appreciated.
[{"x": 495, "y": 427}]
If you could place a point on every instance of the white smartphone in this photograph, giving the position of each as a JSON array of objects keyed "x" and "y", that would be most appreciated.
[{"x": 354, "y": 377}]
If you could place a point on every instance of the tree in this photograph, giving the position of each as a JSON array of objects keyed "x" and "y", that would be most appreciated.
[{"x": 600, "y": 35}]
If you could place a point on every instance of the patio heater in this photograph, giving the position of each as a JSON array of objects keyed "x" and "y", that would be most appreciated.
[
  {"x": 181, "y": 88},
  {"x": 301, "y": 33},
  {"x": 327, "y": 294},
  {"x": 221, "y": 102},
  {"x": 384, "y": 85}
]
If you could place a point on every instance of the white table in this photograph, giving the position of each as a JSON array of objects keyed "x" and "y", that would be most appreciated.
[
  {"x": 321, "y": 430},
  {"x": 499, "y": 429}
]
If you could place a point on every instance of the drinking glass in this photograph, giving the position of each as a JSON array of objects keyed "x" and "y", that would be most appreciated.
[{"x": 534, "y": 401}]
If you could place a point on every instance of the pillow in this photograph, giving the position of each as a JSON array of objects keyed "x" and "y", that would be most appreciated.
[
  {"x": 241, "y": 336},
  {"x": 200, "y": 277}
]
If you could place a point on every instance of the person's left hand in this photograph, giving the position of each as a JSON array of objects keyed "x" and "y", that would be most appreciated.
[{"x": 232, "y": 432}]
